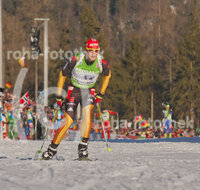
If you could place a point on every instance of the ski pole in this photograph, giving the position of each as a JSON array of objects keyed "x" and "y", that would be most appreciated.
[
  {"x": 39, "y": 151},
  {"x": 105, "y": 137}
]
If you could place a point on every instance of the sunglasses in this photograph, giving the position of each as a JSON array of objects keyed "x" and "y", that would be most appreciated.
[{"x": 93, "y": 50}]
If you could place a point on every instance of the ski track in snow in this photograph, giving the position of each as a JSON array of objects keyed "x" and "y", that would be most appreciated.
[{"x": 128, "y": 166}]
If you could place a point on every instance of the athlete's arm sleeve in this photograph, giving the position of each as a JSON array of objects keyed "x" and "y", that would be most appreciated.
[
  {"x": 61, "y": 82},
  {"x": 105, "y": 81},
  {"x": 66, "y": 71}
]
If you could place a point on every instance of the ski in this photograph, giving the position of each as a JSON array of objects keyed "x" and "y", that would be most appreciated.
[
  {"x": 27, "y": 158},
  {"x": 3, "y": 157},
  {"x": 85, "y": 159},
  {"x": 58, "y": 158}
]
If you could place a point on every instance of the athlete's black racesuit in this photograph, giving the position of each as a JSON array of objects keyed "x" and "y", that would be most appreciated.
[{"x": 77, "y": 95}]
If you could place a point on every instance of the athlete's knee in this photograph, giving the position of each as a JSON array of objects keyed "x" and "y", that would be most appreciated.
[{"x": 60, "y": 134}]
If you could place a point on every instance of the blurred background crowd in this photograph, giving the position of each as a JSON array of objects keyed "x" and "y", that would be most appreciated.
[{"x": 22, "y": 121}]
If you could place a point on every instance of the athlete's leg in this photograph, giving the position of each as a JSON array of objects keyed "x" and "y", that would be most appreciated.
[
  {"x": 170, "y": 129},
  {"x": 60, "y": 133},
  {"x": 85, "y": 131},
  {"x": 71, "y": 105},
  {"x": 86, "y": 122},
  {"x": 27, "y": 132},
  {"x": 31, "y": 130},
  {"x": 166, "y": 128},
  {"x": 88, "y": 105}
]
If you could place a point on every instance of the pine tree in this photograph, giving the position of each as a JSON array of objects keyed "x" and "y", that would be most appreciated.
[
  {"x": 91, "y": 27},
  {"x": 186, "y": 85},
  {"x": 134, "y": 79},
  {"x": 89, "y": 23}
]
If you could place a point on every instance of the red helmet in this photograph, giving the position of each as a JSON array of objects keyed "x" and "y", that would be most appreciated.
[{"x": 92, "y": 44}]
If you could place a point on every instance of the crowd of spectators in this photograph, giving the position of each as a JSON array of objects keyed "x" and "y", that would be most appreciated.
[
  {"x": 149, "y": 133},
  {"x": 23, "y": 122},
  {"x": 19, "y": 121}
]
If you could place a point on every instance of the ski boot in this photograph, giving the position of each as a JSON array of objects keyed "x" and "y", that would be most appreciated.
[
  {"x": 51, "y": 151},
  {"x": 82, "y": 149}
]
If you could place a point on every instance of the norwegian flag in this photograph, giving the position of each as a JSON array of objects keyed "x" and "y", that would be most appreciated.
[
  {"x": 25, "y": 99},
  {"x": 138, "y": 118}
]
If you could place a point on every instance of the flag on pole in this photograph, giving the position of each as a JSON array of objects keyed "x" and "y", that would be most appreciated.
[
  {"x": 138, "y": 118},
  {"x": 8, "y": 85},
  {"x": 145, "y": 124},
  {"x": 21, "y": 61},
  {"x": 109, "y": 111},
  {"x": 112, "y": 112},
  {"x": 25, "y": 101}
]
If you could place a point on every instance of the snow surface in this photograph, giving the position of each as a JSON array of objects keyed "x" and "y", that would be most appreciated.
[{"x": 163, "y": 165}]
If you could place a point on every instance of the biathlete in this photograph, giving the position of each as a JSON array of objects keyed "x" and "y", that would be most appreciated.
[
  {"x": 167, "y": 121},
  {"x": 83, "y": 71}
]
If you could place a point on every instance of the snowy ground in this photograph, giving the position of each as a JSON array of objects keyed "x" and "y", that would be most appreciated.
[{"x": 128, "y": 166}]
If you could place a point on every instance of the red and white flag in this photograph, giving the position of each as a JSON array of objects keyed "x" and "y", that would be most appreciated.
[
  {"x": 24, "y": 101},
  {"x": 138, "y": 118}
]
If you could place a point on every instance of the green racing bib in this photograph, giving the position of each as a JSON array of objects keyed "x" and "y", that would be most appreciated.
[{"x": 85, "y": 76}]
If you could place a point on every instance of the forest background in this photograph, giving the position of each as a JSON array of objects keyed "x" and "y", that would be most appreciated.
[{"x": 152, "y": 47}]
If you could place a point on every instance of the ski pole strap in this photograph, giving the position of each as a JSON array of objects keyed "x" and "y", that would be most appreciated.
[
  {"x": 99, "y": 96},
  {"x": 55, "y": 115},
  {"x": 59, "y": 98},
  {"x": 59, "y": 101},
  {"x": 70, "y": 89},
  {"x": 99, "y": 109}
]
